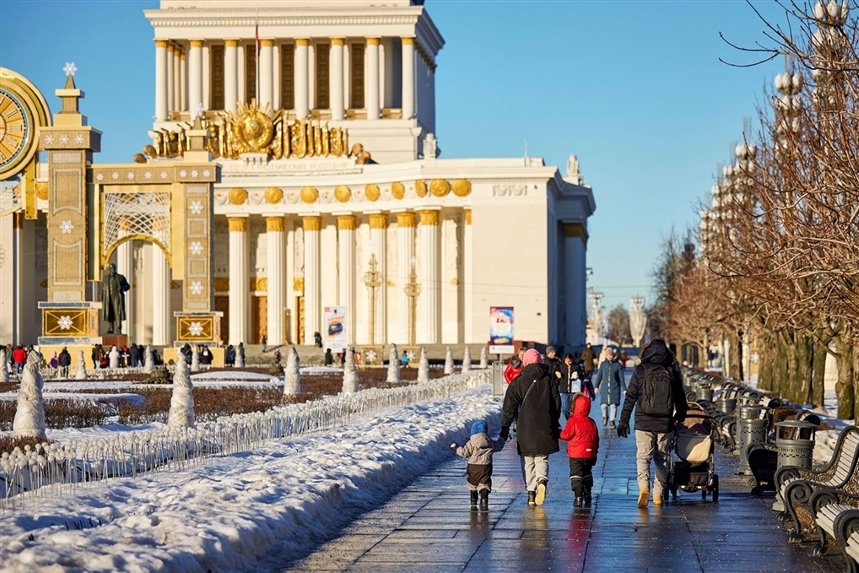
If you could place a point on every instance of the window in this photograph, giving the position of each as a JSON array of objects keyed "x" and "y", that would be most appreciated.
[
  {"x": 287, "y": 76},
  {"x": 250, "y": 72},
  {"x": 322, "y": 67},
  {"x": 357, "y": 75},
  {"x": 216, "y": 73}
]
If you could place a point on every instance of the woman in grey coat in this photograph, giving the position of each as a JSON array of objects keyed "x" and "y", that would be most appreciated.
[{"x": 610, "y": 373}]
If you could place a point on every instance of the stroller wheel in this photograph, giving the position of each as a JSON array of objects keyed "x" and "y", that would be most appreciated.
[
  {"x": 704, "y": 494},
  {"x": 715, "y": 488}
]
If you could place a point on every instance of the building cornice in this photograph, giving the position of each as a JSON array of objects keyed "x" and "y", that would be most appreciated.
[{"x": 165, "y": 20}]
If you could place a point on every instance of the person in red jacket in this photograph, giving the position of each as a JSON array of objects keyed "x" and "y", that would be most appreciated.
[
  {"x": 583, "y": 442},
  {"x": 19, "y": 357}
]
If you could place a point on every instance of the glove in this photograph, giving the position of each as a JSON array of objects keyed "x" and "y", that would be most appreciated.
[
  {"x": 505, "y": 433},
  {"x": 453, "y": 446},
  {"x": 623, "y": 429}
]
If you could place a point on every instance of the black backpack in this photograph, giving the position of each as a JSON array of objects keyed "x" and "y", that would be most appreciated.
[{"x": 656, "y": 397}]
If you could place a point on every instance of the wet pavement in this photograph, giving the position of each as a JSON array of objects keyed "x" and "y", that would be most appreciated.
[{"x": 429, "y": 526}]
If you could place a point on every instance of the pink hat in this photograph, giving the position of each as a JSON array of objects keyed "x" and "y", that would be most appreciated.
[{"x": 532, "y": 356}]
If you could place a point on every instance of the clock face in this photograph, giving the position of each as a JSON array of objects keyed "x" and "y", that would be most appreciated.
[{"x": 16, "y": 127}]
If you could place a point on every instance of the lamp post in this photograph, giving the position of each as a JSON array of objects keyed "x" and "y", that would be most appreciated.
[
  {"x": 413, "y": 290},
  {"x": 637, "y": 319},
  {"x": 373, "y": 279}
]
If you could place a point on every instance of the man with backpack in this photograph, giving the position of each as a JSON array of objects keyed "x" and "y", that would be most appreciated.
[{"x": 656, "y": 392}]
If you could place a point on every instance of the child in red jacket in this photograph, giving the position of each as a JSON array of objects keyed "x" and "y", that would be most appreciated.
[{"x": 583, "y": 442}]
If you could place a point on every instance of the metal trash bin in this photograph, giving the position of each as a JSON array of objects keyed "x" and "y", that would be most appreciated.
[
  {"x": 704, "y": 392},
  {"x": 727, "y": 405},
  {"x": 751, "y": 429},
  {"x": 795, "y": 441}
]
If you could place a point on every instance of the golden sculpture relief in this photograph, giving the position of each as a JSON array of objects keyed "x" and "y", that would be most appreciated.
[
  {"x": 346, "y": 222},
  {"x": 274, "y": 224},
  {"x": 258, "y": 284},
  {"x": 298, "y": 284},
  {"x": 42, "y": 190},
  {"x": 429, "y": 218},
  {"x": 342, "y": 193},
  {"x": 439, "y": 187},
  {"x": 461, "y": 187},
  {"x": 273, "y": 195},
  {"x": 311, "y": 223},
  {"x": 238, "y": 195},
  {"x": 378, "y": 221},
  {"x": 238, "y": 224},
  {"x": 309, "y": 194},
  {"x": 420, "y": 188},
  {"x": 406, "y": 219},
  {"x": 398, "y": 190},
  {"x": 371, "y": 192}
]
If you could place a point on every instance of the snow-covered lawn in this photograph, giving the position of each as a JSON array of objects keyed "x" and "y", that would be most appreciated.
[{"x": 227, "y": 514}]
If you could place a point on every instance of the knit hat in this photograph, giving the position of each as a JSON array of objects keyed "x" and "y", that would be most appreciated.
[
  {"x": 478, "y": 427},
  {"x": 550, "y": 349},
  {"x": 532, "y": 356}
]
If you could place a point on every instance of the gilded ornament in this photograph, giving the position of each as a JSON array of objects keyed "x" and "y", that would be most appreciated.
[
  {"x": 273, "y": 195},
  {"x": 468, "y": 216},
  {"x": 274, "y": 224},
  {"x": 406, "y": 219},
  {"x": 238, "y": 224},
  {"x": 311, "y": 223},
  {"x": 309, "y": 194},
  {"x": 372, "y": 192},
  {"x": 252, "y": 128},
  {"x": 439, "y": 187},
  {"x": 42, "y": 190},
  {"x": 238, "y": 195},
  {"x": 342, "y": 193},
  {"x": 398, "y": 190},
  {"x": 222, "y": 284},
  {"x": 421, "y": 188},
  {"x": 346, "y": 222},
  {"x": 258, "y": 284},
  {"x": 429, "y": 218},
  {"x": 461, "y": 187},
  {"x": 298, "y": 284},
  {"x": 378, "y": 221}
]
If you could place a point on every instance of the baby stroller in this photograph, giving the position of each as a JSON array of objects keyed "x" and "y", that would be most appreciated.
[{"x": 693, "y": 443}]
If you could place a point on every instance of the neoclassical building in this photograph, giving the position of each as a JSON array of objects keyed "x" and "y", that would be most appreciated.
[{"x": 330, "y": 191}]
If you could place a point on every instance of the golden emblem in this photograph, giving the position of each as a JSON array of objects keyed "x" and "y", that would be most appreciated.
[{"x": 252, "y": 126}]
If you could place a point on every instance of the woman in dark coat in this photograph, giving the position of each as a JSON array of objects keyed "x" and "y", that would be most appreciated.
[
  {"x": 609, "y": 384},
  {"x": 532, "y": 399}
]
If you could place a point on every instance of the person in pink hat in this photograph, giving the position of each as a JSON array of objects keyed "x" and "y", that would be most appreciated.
[{"x": 532, "y": 399}]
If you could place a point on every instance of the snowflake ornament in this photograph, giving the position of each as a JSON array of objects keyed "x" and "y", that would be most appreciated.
[
  {"x": 70, "y": 69},
  {"x": 196, "y": 287},
  {"x": 195, "y": 328},
  {"x": 79, "y": 138},
  {"x": 411, "y": 355},
  {"x": 65, "y": 322},
  {"x": 196, "y": 207},
  {"x": 66, "y": 227},
  {"x": 64, "y": 139},
  {"x": 196, "y": 248},
  {"x": 371, "y": 356}
]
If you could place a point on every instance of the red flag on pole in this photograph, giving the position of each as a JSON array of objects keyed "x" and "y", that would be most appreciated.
[{"x": 256, "y": 36}]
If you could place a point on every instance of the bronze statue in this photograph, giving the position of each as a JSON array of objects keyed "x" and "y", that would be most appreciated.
[{"x": 113, "y": 289}]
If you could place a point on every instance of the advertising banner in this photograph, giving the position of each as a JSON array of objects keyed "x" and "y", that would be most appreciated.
[
  {"x": 501, "y": 329},
  {"x": 335, "y": 335}
]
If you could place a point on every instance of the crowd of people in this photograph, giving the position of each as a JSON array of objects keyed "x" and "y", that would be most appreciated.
[{"x": 549, "y": 400}]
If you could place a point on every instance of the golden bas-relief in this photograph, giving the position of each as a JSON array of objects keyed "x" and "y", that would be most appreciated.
[{"x": 255, "y": 129}]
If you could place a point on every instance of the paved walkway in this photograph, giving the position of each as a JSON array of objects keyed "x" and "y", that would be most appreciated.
[{"x": 429, "y": 526}]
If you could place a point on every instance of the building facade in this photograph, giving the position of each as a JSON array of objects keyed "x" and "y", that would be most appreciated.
[{"x": 332, "y": 191}]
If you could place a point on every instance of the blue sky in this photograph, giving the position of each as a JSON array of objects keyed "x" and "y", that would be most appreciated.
[{"x": 634, "y": 88}]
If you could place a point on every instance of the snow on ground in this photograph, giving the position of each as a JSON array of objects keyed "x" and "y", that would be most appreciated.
[{"x": 232, "y": 513}]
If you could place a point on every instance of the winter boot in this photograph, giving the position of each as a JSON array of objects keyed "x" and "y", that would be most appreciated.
[
  {"x": 643, "y": 495},
  {"x": 541, "y": 492},
  {"x": 473, "y": 500},
  {"x": 532, "y": 498},
  {"x": 578, "y": 501},
  {"x": 588, "y": 500},
  {"x": 484, "y": 499},
  {"x": 657, "y": 499},
  {"x": 611, "y": 425}
]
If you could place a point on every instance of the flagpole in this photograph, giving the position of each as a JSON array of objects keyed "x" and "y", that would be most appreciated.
[{"x": 256, "y": 54}]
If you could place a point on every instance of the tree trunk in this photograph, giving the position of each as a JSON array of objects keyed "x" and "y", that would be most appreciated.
[
  {"x": 844, "y": 387},
  {"x": 767, "y": 353},
  {"x": 819, "y": 351},
  {"x": 780, "y": 371}
]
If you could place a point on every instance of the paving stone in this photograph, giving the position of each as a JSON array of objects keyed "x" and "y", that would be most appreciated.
[{"x": 429, "y": 526}]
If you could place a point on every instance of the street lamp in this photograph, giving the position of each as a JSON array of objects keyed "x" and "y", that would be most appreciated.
[
  {"x": 373, "y": 280},
  {"x": 413, "y": 290},
  {"x": 637, "y": 319}
]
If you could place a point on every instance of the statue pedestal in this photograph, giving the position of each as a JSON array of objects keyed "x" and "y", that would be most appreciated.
[
  {"x": 70, "y": 325},
  {"x": 198, "y": 329},
  {"x": 118, "y": 340}
]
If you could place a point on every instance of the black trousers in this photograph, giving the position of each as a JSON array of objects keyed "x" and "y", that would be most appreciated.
[{"x": 581, "y": 476}]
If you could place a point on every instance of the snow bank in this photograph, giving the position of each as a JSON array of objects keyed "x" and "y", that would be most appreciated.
[{"x": 238, "y": 510}]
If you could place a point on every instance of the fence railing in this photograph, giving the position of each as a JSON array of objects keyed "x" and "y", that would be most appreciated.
[{"x": 57, "y": 468}]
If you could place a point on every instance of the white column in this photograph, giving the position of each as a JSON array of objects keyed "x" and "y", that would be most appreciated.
[
  {"x": 301, "y": 89},
  {"x": 195, "y": 75},
  {"x": 177, "y": 78},
  {"x": 171, "y": 104},
  {"x": 312, "y": 225},
  {"x": 276, "y": 77},
  {"x": 183, "y": 80},
  {"x": 346, "y": 270},
  {"x": 468, "y": 279},
  {"x": 265, "y": 72},
  {"x": 160, "y": 80},
  {"x": 125, "y": 267},
  {"x": 372, "y": 80},
  {"x": 274, "y": 227},
  {"x": 378, "y": 247},
  {"x": 231, "y": 75},
  {"x": 161, "y": 298},
  {"x": 347, "y": 75},
  {"x": 240, "y": 74},
  {"x": 335, "y": 80},
  {"x": 428, "y": 275},
  {"x": 238, "y": 279},
  {"x": 405, "y": 260},
  {"x": 206, "y": 78},
  {"x": 408, "y": 78}
]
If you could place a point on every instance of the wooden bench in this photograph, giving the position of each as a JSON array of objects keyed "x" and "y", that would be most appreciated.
[
  {"x": 836, "y": 515},
  {"x": 796, "y": 485}
]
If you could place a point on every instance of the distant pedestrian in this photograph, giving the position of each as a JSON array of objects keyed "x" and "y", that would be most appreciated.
[
  {"x": 55, "y": 361},
  {"x": 329, "y": 358},
  {"x": 317, "y": 339},
  {"x": 240, "y": 352},
  {"x": 514, "y": 365},
  {"x": 532, "y": 400},
  {"x": 656, "y": 393},
  {"x": 478, "y": 451},
  {"x": 19, "y": 358},
  {"x": 206, "y": 356},
  {"x": 570, "y": 383},
  {"x": 588, "y": 360},
  {"x": 230, "y": 356},
  {"x": 609, "y": 384},
  {"x": 583, "y": 442},
  {"x": 65, "y": 361},
  {"x": 264, "y": 343},
  {"x": 277, "y": 356}
]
